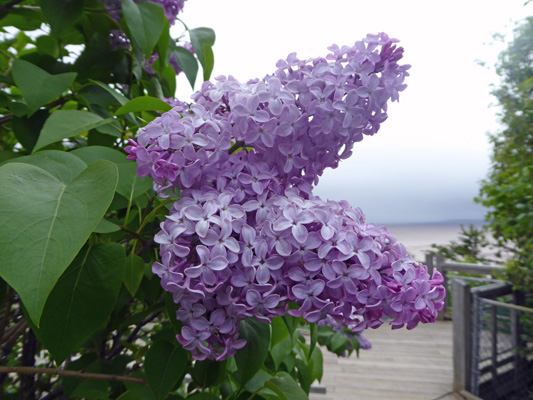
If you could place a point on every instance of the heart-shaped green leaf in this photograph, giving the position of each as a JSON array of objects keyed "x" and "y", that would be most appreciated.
[
  {"x": 38, "y": 86},
  {"x": 82, "y": 299},
  {"x": 64, "y": 166},
  {"x": 129, "y": 184},
  {"x": 45, "y": 222},
  {"x": 67, "y": 123},
  {"x": 145, "y": 22}
]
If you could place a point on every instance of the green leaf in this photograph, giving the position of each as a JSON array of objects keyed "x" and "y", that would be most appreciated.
[
  {"x": 279, "y": 331},
  {"x": 145, "y": 22},
  {"x": 286, "y": 387},
  {"x": 252, "y": 356},
  {"x": 338, "y": 343},
  {"x": 62, "y": 165},
  {"x": 163, "y": 46},
  {"x": 45, "y": 222},
  {"x": 6, "y": 155},
  {"x": 62, "y": 13},
  {"x": 118, "y": 96},
  {"x": 38, "y": 86},
  {"x": 291, "y": 322},
  {"x": 282, "y": 352},
  {"x": 304, "y": 375},
  {"x": 187, "y": 62},
  {"x": 164, "y": 365},
  {"x": 27, "y": 129},
  {"x": 47, "y": 45},
  {"x": 88, "y": 363},
  {"x": 202, "y": 39},
  {"x": 129, "y": 184},
  {"x": 209, "y": 62},
  {"x": 67, "y": 123},
  {"x": 106, "y": 226},
  {"x": 134, "y": 395},
  {"x": 209, "y": 373},
  {"x": 317, "y": 364},
  {"x": 168, "y": 81},
  {"x": 313, "y": 339},
  {"x": 23, "y": 18},
  {"x": 133, "y": 273},
  {"x": 144, "y": 103},
  {"x": 258, "y": 381},
  {"x": 82, "y": 299}
]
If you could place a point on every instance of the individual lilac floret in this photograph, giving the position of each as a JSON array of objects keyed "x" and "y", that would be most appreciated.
[{"x": 247, "y": 238}]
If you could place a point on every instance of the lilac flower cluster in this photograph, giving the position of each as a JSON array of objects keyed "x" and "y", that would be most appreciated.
[{"x": 247, "y": 237}]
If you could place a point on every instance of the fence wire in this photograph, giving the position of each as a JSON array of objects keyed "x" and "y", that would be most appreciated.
[{"x": 502, "y": 350}]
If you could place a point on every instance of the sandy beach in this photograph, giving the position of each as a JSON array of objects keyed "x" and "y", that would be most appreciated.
[{"x": 418, "y": 238}]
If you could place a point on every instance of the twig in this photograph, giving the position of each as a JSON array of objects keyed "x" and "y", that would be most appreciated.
[
  {"x": 15, "y": 331},
  {"x": 118, "y": 348},
  {"x": 72, "y": 374},
  {"x": 146, "y": 246},
  {"x": 6, "y": 118},
  {"x": 6, "y": 7},
  {"x": 7, "y": 310},
  {"x": 53, "y": 394},
  {"x": 132, "y": 233},
  {"x": 27, "y": 382}
]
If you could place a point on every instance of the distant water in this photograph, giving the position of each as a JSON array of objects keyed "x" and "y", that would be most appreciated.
[{"x": 417, "y": 238}]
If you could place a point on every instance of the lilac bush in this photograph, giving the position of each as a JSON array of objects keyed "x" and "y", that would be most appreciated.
[{"x": 248, "y": 238}]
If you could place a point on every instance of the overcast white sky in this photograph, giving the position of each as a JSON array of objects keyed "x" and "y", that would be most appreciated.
[{"x": 425, "y": 163}]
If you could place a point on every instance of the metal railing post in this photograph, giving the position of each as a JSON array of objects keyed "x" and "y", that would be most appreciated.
[{"x": 462, "y": 335}]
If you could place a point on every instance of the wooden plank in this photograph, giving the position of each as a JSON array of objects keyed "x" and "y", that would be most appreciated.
[{"x": 402, "y": 365}]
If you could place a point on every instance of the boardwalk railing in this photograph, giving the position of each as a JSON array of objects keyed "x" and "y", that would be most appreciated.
[
  {"x": 502, "y": 354},
  {"x": 444, "y": 267},
  {"x": 492, "y": 358}
]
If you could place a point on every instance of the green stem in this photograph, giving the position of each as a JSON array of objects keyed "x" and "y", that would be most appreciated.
[
  {"x": 146, "y": 213},
  {"x": 132, "y": 232},
  {"x": 238, "y": 144}
]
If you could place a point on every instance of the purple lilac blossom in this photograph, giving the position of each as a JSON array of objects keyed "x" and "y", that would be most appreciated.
[{"x": 248, "y": 237}]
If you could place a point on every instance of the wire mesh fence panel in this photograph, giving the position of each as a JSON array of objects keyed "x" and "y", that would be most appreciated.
[{"x": 502, "y": 350}]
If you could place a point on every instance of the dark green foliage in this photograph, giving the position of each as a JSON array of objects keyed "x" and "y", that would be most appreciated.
[
  {"x": 78, "y": 224},
  {"x": 508, "y": 190}
]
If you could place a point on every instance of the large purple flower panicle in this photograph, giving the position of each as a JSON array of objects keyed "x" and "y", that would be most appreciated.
[{"x": 248, "y": 238}]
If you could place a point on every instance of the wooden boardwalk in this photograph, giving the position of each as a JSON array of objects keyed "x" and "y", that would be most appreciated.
[{"x": 402, "y": 365}]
